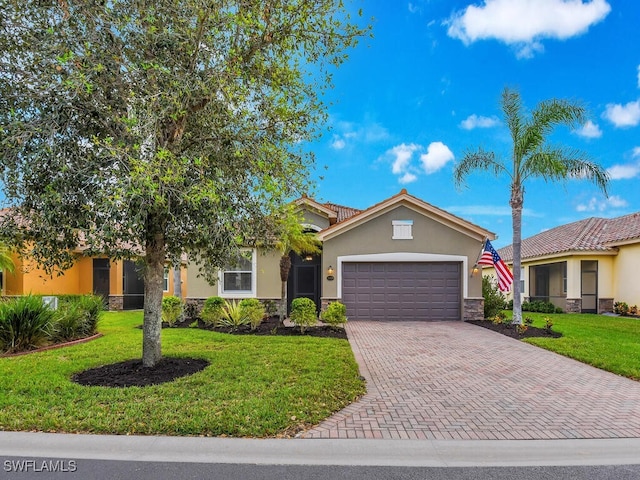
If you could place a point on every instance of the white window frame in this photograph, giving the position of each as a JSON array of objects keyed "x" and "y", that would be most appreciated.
[
  {"x": 254, "y": 280},
  {"x": 165, "y": 280},
  {"x": 402, "y": 229}
]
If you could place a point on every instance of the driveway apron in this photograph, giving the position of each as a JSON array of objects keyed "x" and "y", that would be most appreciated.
[{"x": 452, "y": 380}]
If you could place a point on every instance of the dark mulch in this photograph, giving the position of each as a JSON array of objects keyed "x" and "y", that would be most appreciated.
[
  {"x": 268, "y": 327},
  {"x": 511, "y": 331},
  {"x": 131, "y": 373}
]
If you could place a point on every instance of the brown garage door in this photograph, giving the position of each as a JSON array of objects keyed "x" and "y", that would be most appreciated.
[{"x": 402, "y": 291}]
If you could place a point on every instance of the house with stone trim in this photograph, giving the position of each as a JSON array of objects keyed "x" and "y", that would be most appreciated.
[
  {"x": 582, "y": 267},
  {"x": 401, "y": 259}
]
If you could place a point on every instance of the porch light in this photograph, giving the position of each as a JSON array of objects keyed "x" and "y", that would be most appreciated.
[
  {"x": 330, "y": 273},
  {"x": 475, "y": 270},
  {"x": 308, "y": 258}
]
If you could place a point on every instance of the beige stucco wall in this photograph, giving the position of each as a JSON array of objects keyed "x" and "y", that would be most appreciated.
[
  {"x": 267, "y": 278},
  {"x": 375, "y": 237},
  {"x": 313, "y": 218},
  {"x": 625, "y": 283}
]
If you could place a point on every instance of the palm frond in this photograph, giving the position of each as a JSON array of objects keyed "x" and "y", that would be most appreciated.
[
  {"x": 480, "y": 160},
  {"x": 513, "y": 114}
]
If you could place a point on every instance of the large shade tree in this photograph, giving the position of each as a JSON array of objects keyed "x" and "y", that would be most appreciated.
[
  {"x": 147, "y": 129},
  {"x": 532, "y": 156}
]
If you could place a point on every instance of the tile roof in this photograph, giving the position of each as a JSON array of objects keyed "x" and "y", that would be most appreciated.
[
  {"x": 343, "y": 212},
  {"x": 591, "y": 234}
]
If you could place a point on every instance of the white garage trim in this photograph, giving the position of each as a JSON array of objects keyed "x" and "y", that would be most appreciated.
[{"x": 405, "y": 257}]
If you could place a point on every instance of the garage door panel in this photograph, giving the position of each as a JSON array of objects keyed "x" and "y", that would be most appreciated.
[{"x": 402, "y": 291}]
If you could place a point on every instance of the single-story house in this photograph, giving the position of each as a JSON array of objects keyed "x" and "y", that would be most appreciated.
[
  {"x": 401, "y": 259},
  {"x": 584, "y": 266},
  {"x": 117, "y": 281}
]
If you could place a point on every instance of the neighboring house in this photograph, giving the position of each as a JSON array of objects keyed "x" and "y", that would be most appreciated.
[
  {"x": 402, "y": 259},
  {"x": 117, "y": 281},
  {"x": 583, "y": 266}
]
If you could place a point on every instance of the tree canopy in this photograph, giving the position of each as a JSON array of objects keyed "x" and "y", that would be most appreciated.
[
  {"x": 532, "y": 156},
  {"x": 148, "y": 129}
]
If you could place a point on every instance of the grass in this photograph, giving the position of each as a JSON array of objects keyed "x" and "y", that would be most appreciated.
[
  {"x": 255, "y": 386},
  {"x": 609, "y": 343}
]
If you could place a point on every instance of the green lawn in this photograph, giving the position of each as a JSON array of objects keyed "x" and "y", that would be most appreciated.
[
  {"x": 609, "y": 343},
  {"x": 255, "y": 386}
]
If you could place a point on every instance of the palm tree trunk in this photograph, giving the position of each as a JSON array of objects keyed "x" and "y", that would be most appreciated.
[
  {"x": 517, "y": 200},
  {"x": 285, "y": 267}
]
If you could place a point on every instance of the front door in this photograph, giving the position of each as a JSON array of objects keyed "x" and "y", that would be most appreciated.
[
  {"x": 101, "y": 278},
  {"x": 589, "y": 285},
  {"x": 304, "y": 279}
]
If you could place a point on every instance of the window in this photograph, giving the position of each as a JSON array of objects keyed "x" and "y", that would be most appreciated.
[
  {"x": 402, "y": 229},
  {"x": 237, "y": 278},
  {"x": 165, "y": 280}
]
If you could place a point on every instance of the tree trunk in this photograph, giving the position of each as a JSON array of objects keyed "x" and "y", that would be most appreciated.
[
  {"x": 517, "y": 200},
  {"x": 285, "y": 267},
  {"x": 177, "y": 282},
  {"x": 153, "y": 287}
]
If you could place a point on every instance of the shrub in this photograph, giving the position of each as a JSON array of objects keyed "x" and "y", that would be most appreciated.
[
  {"x": 335, "y": 314},
  {"x": 171, "y": 310},
  {"x": 25, "y": 323},
  {"x": 303, "y": 313},
  {"x": 558, "y": 310},
  {"x": 528, "y": 321},
  {"x": 91, "y": 307},
  {"x": 212, "y": 311},
  {"x": 548, "y": 323},
  {"x": 233, "y": 315},
  {"x": 621, "y": 308},
  {"x": 521, "y": 329},
  {"x": 509, "y": 305},
  {"x": 493, "y": 297},
  {"x": 253, "y": 310}
]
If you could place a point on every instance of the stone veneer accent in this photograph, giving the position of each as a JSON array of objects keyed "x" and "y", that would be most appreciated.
[
  {"x": 198, "y": 303},
  {"x": 605, "y": 305},
  {"x": 473, "y": 309},
  {"x": 116, "y": 302},
  {"x": 325, "y": 301},
  {"x": 574, "y": 305}
]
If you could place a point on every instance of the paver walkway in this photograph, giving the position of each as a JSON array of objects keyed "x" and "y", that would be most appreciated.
[{"x": 453, "y": 380}]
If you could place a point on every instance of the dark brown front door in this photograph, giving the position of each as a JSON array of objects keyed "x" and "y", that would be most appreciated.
[{"x": 402, "y": 291}]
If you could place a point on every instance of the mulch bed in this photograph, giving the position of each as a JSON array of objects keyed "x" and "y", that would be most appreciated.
[
  {"x": 511, "y": 331},
  {"x": 268, "y": 327},
  {"x": 132, "y": 373}
]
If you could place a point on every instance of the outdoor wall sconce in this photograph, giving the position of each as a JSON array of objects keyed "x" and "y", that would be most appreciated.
[
  {"x": 330, "y": 273},
  {"x": 308, "y": 258},
  {"x": 475, "y": 270}
]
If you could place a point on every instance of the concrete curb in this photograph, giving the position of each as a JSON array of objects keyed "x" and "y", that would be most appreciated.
[{"x": 423, "y": 453}]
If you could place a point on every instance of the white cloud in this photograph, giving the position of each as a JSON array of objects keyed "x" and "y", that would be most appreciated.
[
  {"x": 627, "y": 171},
  {"x": 623, "y": 115},
  {"x": 407, "y": 178},
  {"x": 437, "y": 156},
  {"x": 523, "y": 23},
  {"x": 338, "y": 143},
  {"x": 595, "y": 205},
  {"x": 622, "y": 172},
  {"x": 589, "y": 130},
  {"x": 350, "y": 133},
  {"x": 401, "y": 155},
  {"x": 478, "y": 121}
]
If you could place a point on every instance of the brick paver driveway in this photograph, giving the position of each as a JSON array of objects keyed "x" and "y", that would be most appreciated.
[{"x": 453, "y": 380}]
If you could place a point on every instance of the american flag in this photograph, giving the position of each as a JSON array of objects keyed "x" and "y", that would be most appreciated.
[{"x": 490, "y": 257}]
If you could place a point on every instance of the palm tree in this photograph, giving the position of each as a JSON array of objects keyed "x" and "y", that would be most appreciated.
[
  {"x": 532, "y": 156},
  {"x": 292, "y": 237}
]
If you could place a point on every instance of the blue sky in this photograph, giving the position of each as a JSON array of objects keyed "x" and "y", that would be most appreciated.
[{"x": 412, "y": 100}]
